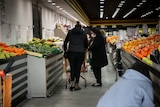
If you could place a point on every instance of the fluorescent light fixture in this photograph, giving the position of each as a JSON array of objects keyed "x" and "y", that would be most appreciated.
[
  {"x": 158, "y": 8},
  {"x": 101, "y": 2},
  {"x": 101, "y": 14},
  {"x": 138, "y": 5},
  {"x": 53, "y": 4},
  {"x": 129, "y": 12},
  {"x": 58, "y": 6},
  {"x": 146, "y": 14},
  {"x": 115, "y": 13},
  {"x": 101, "y": 6},
  {"x": 123, "y": 2},
  {"x": 101, "y": 9},
  {"x": 143, "y": 1},
  {"x": 49, "y": 1}
]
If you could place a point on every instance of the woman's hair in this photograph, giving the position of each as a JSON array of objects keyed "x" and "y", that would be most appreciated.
[
  {"x": 142, "y": 68},
  {"x": 95, "y": 30},
  {"x": 78, "y": 25}
]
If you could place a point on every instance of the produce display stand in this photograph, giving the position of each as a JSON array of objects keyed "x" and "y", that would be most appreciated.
[
  {"x": 44, "y": 74},
  {"x": 19, "y": 79},
  {"x": 128, "y": 60}
]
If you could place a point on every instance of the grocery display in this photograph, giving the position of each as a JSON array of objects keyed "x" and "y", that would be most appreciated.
[
  {"x": 146, "y": 51},
  {"x": 7, "y": 52},
  {"x": 143, "y": 48},
  {"x": 40, "y": 46}
]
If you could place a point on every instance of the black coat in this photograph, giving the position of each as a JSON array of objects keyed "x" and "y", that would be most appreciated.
[
  {"x": 77, "y": 40},
  {"x": 98, "y": 51}
]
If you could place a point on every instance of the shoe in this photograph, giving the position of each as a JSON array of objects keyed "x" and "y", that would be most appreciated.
[
  {"x": 71, "y": 88},
  {"x": 77, "y": 88},
  {"x": 96, "y": 84}
]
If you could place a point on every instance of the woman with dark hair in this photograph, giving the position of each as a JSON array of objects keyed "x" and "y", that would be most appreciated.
[
  {"x": 78, "y": 44},
  {"x": 98, "y": 55}
]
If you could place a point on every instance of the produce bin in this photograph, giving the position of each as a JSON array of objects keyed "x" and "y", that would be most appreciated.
[
  {"x": 44, "y": 74},
  {"x": 128, "y": 60},
  {"x": 19, "y": 78}
]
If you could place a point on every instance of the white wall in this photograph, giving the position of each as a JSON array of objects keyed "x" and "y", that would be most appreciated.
[{"x": 17, "y": 22}]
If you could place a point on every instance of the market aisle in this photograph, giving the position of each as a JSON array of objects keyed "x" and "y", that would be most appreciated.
[{"x": 86, "y": 97}]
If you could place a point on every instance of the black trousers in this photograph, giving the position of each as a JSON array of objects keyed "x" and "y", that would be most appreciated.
[
  {"x": 75, "y": 59},
  {"x": 97, "y": 74}
]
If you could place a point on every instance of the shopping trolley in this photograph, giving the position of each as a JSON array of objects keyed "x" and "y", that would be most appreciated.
[{"x": 83, "y": 71}]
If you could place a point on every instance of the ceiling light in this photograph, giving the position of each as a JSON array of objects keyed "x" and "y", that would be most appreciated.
[
  {"x": 101, "y": 9},
  {"x": 53, "y": 4},
  {"x": 49, "y": 1},
  {"x": 129, "y": 12},
  {"x": 158, "y": 8},
  {"x": 115, "y": 13},
  {"x": 101, "y": 14},
  {"x": 101, "y": 2},
  {"x": 106, "y": 17},
  {"x": 158, "y": 15},
  {"x": 146, "y": 14},
  {"x": 143, "y": 1},
  {"x": 58, "y": 6},
  {"x": 122, "y": 1},
  {"x": 138, "y": 5},
  {"x": 101, "y": 6}
]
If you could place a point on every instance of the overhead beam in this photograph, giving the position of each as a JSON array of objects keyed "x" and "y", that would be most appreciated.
[{"x": 123, "y": 22}]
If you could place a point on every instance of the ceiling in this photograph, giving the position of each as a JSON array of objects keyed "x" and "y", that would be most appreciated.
[
  {"x": 142, "y": 10},
  {"x": 88, "y": 11}
]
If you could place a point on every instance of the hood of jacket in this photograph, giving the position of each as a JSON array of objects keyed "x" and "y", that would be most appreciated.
[
  {"x": 135, "y": 75},
  {"x": 77, "y": 31}
]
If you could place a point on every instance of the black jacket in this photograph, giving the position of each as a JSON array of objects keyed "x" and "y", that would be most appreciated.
[
  {"x": 98, "y": 50},
  {"x": 77, "y": 40}
]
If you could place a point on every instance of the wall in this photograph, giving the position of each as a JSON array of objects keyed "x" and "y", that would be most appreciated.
[{"x": 17, "y": 24}]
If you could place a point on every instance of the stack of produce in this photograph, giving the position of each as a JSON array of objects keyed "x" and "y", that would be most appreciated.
[
  {"x": 112, "y": 39},
  {"x": 142, "y": 48},
  {"x": 10, "y": 51},
  {"x": 41, "y": 46}
]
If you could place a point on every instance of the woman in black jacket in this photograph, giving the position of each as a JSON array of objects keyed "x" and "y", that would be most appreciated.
[
  {"x": 98, "y": 55},
  {"x": 78, "y": 43}
]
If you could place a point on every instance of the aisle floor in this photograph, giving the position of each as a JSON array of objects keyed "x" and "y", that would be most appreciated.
[{"x": 86, "y": 97}]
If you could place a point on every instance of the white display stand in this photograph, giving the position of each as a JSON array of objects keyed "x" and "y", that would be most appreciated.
[{"x": 44, "y": 74}]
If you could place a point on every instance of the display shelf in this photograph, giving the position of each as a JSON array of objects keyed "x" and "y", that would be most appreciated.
[
  {"x": 44, "y": 74},
  {"x": 128, "y": 60},
  {"x": 19, "y": 78}
]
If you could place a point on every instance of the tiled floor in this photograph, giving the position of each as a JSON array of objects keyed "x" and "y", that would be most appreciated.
[{"x": 86, "y": 97}]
